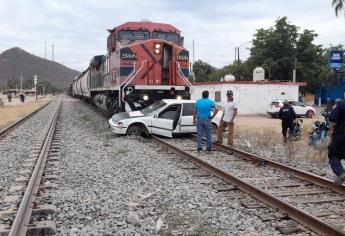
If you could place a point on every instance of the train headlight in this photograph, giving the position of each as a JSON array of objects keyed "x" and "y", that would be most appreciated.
[
  {"x": 146, "y": 97},
  {"x": 179, "y": 98},
  {"x": 157, "y": 48}
]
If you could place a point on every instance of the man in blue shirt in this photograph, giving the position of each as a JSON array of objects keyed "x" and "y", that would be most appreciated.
[{"x": 202, "y": 110}]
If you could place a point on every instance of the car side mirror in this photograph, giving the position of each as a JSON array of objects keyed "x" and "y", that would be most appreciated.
[{"x": 155, "y": 116}]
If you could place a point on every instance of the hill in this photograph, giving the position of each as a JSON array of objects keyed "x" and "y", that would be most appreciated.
[{"x": 16, "y": 61}]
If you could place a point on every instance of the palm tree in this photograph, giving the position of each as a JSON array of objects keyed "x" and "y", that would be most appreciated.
[{"x": 339, "y": 6}]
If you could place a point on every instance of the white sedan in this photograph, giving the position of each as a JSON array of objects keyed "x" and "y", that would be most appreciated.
[{"x": 166, "y": 118}]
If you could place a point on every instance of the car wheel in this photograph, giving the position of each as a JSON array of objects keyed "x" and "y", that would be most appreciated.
[
  {"x": 310, "y": 114},
  {"x": 134, "y": 130}
]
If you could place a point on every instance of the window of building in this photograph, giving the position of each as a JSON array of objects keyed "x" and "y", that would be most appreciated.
[{"x": 217, "y": 96}]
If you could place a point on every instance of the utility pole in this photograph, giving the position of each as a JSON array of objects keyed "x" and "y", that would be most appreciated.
[
  {"x": 52, "y": 52},
  {"x": 193, "y": 53},
  {"x": 21, "y": 83},
  {"x": 294, "y": 72},
  {"x": 237, "y": 50},
  {"x": 45, "y": 49},
  {"x": 35, "y": 82},
  {"x": 193, "y": 59}
]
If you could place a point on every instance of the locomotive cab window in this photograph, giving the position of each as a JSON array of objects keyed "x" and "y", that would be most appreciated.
[
  {"x": 134, "y": 35},
  {"x": 168, "y": 36}
]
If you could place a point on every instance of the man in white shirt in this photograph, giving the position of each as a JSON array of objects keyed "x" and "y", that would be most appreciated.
[{"x": 227, "y": 120}]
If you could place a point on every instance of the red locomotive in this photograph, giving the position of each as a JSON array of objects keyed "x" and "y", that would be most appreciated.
[{"x": 145, "y": 62}]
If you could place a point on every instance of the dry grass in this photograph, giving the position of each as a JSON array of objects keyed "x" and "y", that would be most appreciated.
[
  {"x": 10, "y": 113},
  {"x": 270, "y": 140}
]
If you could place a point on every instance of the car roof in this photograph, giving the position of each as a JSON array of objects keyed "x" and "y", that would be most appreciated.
[
  {"x": 170, "y": 101},
  {"x": 282, "y": 100}
]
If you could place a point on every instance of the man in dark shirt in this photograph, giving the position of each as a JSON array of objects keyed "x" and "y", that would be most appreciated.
[
  {"x": 287, "y": 115},
  {"x": 336, "y": 149}
]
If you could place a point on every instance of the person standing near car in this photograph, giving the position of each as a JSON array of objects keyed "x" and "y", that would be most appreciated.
[
  {"x": 227, "y": 120},
  {"x": 202, "y": 118},
  {"x": 336, "y": 150},
  {"x": 287, "y": 115}
]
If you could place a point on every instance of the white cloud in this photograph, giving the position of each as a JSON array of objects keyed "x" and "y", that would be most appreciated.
[{"x": 78, "y": 27}]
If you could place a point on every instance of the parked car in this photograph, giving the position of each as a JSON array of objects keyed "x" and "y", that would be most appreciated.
[
  {"x": 300, "y": 108},
  {"x": 167, "y": 117}
]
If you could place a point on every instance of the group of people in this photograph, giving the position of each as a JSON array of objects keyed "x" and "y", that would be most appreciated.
[
  {"x": 21, "y": 97},
  {"x": 202, "y": 117},
  {"x": 205, "y": 110}
]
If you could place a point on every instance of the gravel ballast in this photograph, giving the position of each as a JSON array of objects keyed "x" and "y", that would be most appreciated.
[
  {"x": 18, "y": 144},
  {"x": 115, "y": 185}
]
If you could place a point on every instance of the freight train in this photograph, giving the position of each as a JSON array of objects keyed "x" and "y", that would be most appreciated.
[{"x": 145, "y": 62}]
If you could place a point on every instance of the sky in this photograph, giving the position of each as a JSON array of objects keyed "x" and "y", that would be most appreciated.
[{"x": 77, "y": 28}]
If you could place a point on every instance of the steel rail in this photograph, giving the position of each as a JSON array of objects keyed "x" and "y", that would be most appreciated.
[
  {"x": 10, "y": 127},
  {"x": 22, "y": 219},
  {"x": 318, "y": 180},
  {"x": 313, "y": 223}
]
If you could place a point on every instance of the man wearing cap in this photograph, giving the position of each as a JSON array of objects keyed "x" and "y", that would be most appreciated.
[
  {"x": 287, "y": 115},
  {"x": 202, "y": 118},
  {"x": 227, "y": 120}
]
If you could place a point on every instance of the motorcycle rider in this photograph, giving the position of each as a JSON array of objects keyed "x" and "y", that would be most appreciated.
[
  {"x": 336, "y": 150},
  {"x": 287, "y": 115}
]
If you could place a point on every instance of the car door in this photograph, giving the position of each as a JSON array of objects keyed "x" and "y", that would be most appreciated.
[
  {"x": 165, "y": 121},
  {"x": 185, "y": 124}
]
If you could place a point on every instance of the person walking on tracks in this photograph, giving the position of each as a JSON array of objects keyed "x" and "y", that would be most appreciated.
[
  {"x": 336, "y": 150},
  {"x": 287, "y": 115},
  {"x": 202, "y": 118},
  {"x": 227, "y": 120}
]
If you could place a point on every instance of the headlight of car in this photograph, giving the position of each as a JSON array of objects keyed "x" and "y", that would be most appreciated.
[{"x": 120, "y": 124}]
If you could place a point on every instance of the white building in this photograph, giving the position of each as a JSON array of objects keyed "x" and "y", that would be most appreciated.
[{"x": 252, "y": 97}]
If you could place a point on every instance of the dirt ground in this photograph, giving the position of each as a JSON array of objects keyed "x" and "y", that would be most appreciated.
[
  {"x": 265, "y": 122},
  {"x": 262, "y": 135},
  {"x": 15, "y": 110}
]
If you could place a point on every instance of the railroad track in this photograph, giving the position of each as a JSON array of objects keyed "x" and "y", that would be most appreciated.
[
  {"x": 14, "y": 125},
  {"x": 314, "y": 202},
  {"x": 23, "y": 215}
]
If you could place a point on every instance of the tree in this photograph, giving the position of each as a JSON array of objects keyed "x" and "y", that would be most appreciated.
[
  {"x": 202, "y": 71},
  {"x": 274, "y": 48},
  {"x": 282, "y": 48},
  {"x": 311, "y": 62},
  {"x": 339, "y": 6}
]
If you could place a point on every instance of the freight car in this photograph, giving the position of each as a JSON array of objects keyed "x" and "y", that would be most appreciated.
[{"x": 145, "y": 62}]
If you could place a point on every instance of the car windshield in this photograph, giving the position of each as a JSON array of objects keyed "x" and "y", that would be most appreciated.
[
  {"x": 134, "y": 35},
  {"x": 172, "y": 37},
  {"x": 153, "y": 107}
]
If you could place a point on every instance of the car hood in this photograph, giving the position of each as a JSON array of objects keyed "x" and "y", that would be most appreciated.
[{"x": 125, "y": 115}]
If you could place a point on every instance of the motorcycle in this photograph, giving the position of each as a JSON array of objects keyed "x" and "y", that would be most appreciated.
[
  {"x": 295, "y": 134},
  {"x": 319, "y": 134}
]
